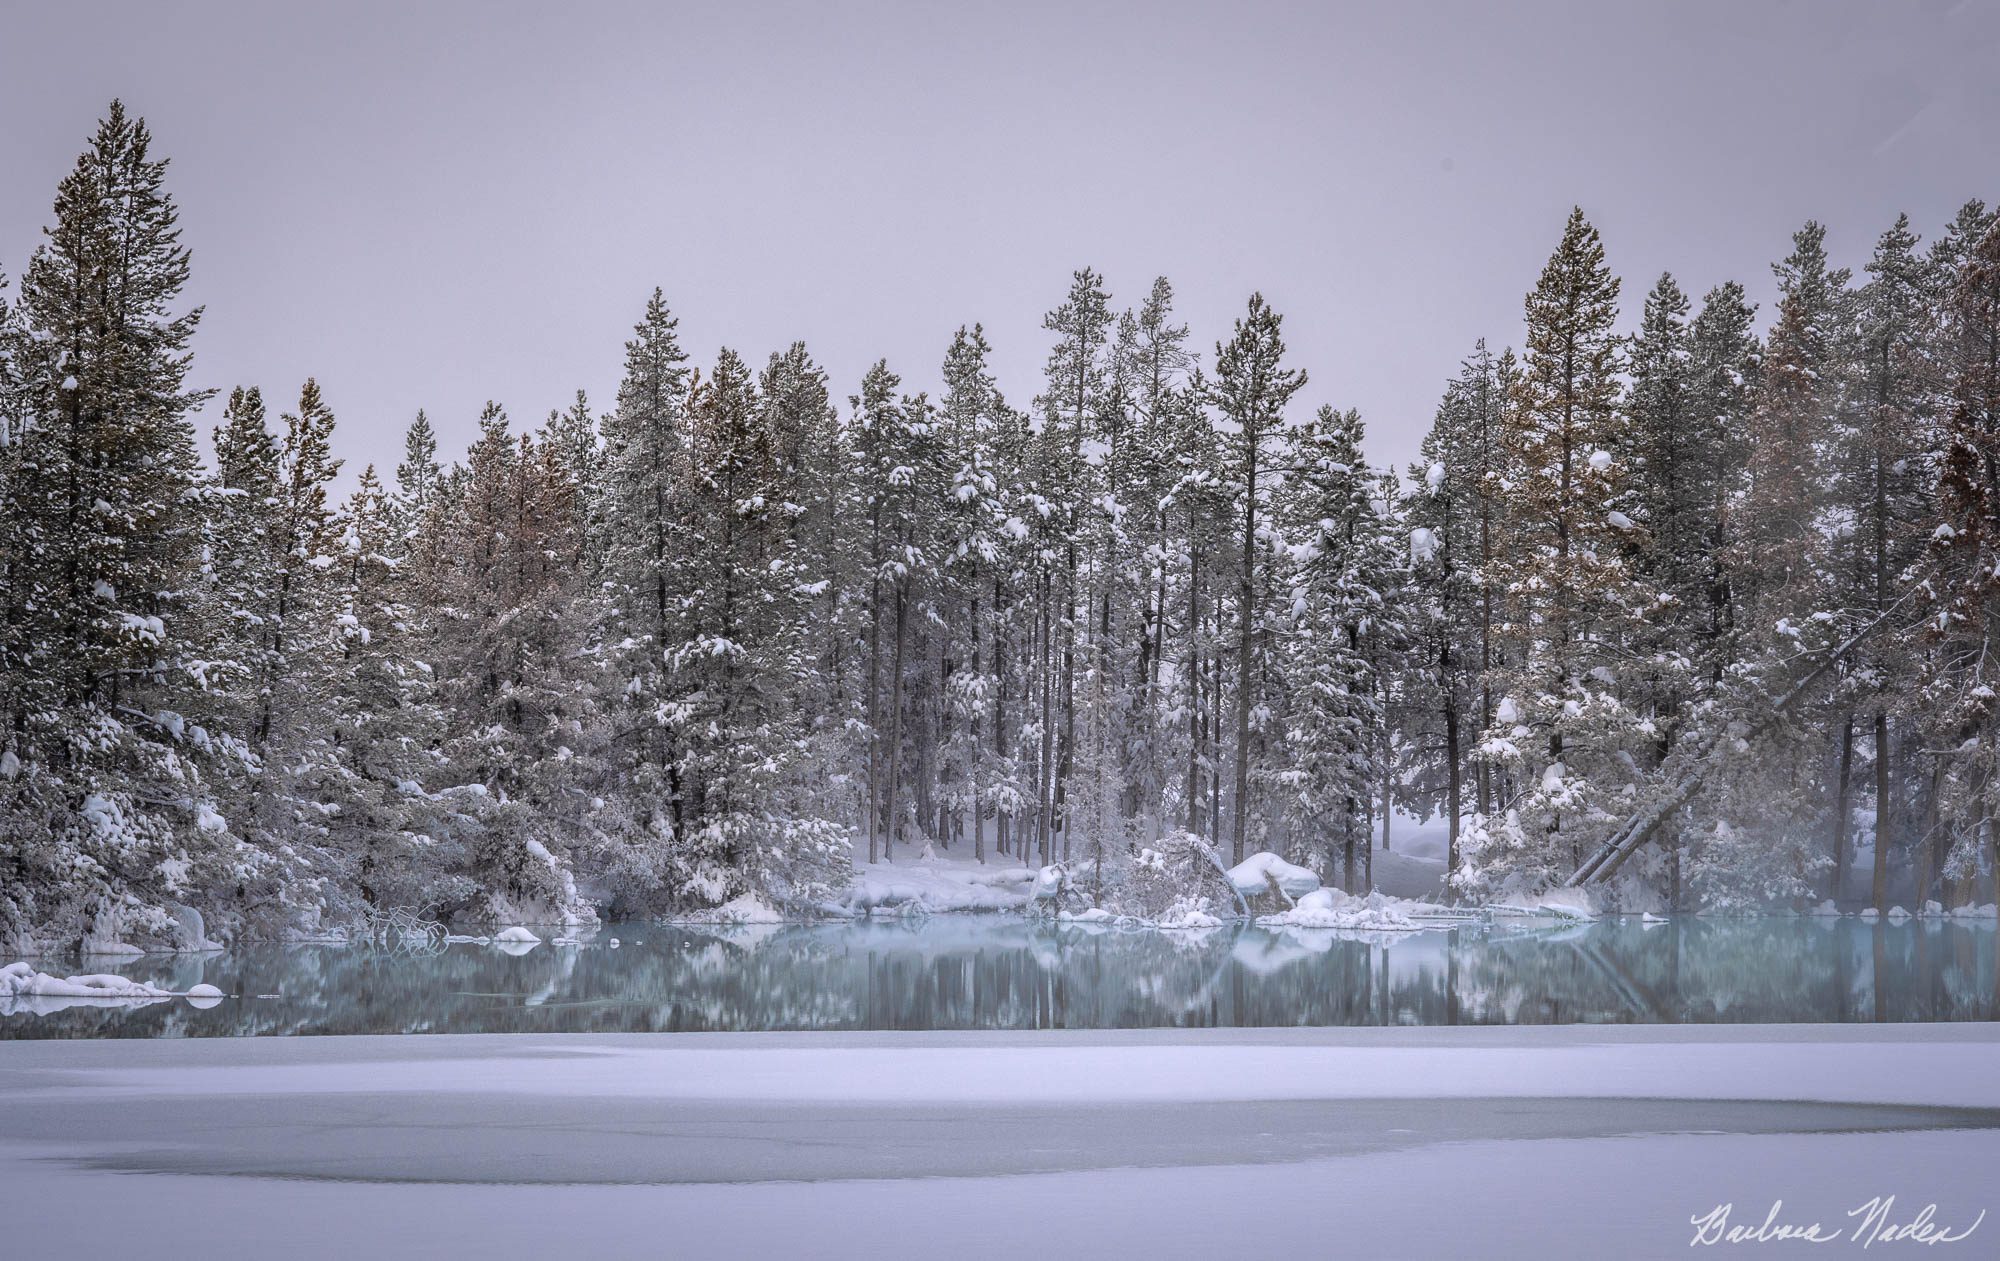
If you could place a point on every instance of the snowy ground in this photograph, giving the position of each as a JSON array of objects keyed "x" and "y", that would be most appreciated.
[
  {"x": 1413, "y": 867},
  {"x": 1402, "y": 1143}
]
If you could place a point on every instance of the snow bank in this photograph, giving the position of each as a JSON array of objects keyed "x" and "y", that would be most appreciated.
[
  {"x": 1376, "y": 912},
  {"x": 1249, "y": 875},
  {"x": 1569, "y": 904},
  {"x": 1093, "y": 915},
  {"x": 936, "y": 888}
]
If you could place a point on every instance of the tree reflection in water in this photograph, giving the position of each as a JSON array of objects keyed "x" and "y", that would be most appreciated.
[{"x": 994, "y": 972}]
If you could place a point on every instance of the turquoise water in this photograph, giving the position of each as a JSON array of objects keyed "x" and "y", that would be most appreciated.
[{"x": 1004, "y": 972}]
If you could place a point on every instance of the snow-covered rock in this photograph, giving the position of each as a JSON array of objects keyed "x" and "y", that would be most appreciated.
[
  {"x": 517, "y": 935},
  {"x": 1249, "y": 876}
]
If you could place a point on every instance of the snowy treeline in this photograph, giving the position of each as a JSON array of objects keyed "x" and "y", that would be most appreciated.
[{"x": 720, "y": 637}]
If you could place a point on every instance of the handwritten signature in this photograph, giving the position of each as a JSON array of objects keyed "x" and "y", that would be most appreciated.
[{"x": 1876, "y": 1223}]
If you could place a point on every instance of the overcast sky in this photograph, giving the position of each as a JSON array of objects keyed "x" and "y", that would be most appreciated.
[{"x": 430, "y": 205}]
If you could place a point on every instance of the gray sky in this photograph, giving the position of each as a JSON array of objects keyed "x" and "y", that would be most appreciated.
[{"x": 431, "y": 205}]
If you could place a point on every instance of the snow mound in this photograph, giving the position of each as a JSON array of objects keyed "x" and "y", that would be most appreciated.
[
  {"x": 1048, "y": 882},
  {"x": 1248, "y": 876},
  {"x": 517, "y": 934},
  {"x": 1376, "y": 912},
  {"x": 1094, "y": 915},
  {"x": 937, "y": 888},
  {"x": 1188, "y": 915},
  {"x": 22, "y": 988},
  {"x": 20, "y": 980}
]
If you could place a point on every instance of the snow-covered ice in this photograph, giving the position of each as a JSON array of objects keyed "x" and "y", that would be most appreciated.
[{"x": 1494, "y": 1143}]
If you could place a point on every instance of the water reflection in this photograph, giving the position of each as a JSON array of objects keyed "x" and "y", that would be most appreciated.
[{"x": 992, "y": 972}]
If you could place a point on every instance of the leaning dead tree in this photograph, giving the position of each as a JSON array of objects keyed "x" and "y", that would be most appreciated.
[{"x": 1638, "y": 828}]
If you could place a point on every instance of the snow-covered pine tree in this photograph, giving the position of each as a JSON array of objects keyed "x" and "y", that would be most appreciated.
[
  {"x": 1884, "y": 473},
  {"x": 419, "y": 478},
  {"x": 1452, "y": 505},
  {"x": 645, "y": 456},
  {"x": 743, "y": 650},
  {"x": 395, "y": 845},
  {"x": 1249, "y": 393},
  {"x": 1068, "y": 469},
  {"x": 104, "y": 806},
  {"x": 1751, "y": 846},
  {"x": 1563, "y": 730},
  {"x": 1164, "y": 413},
  {"x": 818, "y": 501},
  {"x": 1344, "y": 565},
  {"x": 1962, "y": 602},
  {"x": 975, "y": 544}
]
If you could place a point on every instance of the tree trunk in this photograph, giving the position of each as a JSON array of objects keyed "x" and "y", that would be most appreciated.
[
  {"x": 1880, "y": 891},
  {"x": 1841, "y": 810},
  {"x": 1245, "y": 627},
  {"x": 1453, "y": 788}
]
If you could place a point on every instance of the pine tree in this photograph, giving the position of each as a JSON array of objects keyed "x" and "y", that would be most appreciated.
[
  {"x": 419, "y": 478},
  {"x": 1346, "y": 569},
  {"x": 1067, "y": 463},
  {"x": 645, "y": 457},
  {"x": 1563, "y": 730},
  {"x": 1250, "y": 391},
  {"x": 106, "y": 800},
  {"x": 1962, "y": 603},
  {"x": 1452, "y": 509}
]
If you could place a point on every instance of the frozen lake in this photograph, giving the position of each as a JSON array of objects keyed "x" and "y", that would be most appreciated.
[
  {"x": 1004, "y": 972},
  {"x": 1405, "y": 1143}
]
